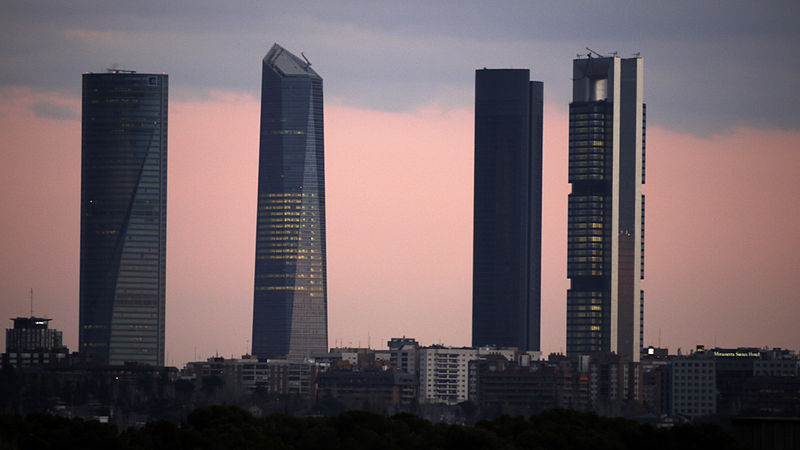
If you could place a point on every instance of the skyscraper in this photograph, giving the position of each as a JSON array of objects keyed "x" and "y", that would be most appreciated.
[
  {"x": 123, "y": 217},
  {"x": 605, "y": 250},
  {"x": 507, "y": 233},
  {"x": 290, "y": 299}
]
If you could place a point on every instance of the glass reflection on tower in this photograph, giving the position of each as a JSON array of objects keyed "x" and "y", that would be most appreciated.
[
  {"x": 123, "y": 217},
  {"x": 290, "y": 297},
  {"x": 605, "y": 249}
]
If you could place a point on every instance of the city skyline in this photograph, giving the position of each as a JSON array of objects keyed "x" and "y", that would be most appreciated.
[
  {"x": 722, "y": 186},
  {"x": 507, "y": 216}
]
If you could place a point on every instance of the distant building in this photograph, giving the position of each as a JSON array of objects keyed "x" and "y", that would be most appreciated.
[
  {"x": 248, "y": 373},
  {"x": 737, "y": 368},
  {"x": 354, "y": 355},
  {"x": 372, "y": 388},
  {"x": 31, "y": 342},
  {"x": 444, "y": 374},
  {"x": 655, "y": 353},
  {"x": 771, "y": 396},
  {"x": 404, "y": 354},
  {"x": 605, "y": 248},
  {"x": 694, "y": 387},
  {"x": 616, "y": 384},
  {"x": 499, "y": 386},
  {"x": 123, "y": 217},
  {"x": 507, "y": 235},
  {"x": 290, "y": 297},
  {"x": 734, "y": 381}
]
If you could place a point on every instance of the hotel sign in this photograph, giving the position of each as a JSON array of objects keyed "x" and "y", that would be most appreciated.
[{"x": 737, "y": 354}]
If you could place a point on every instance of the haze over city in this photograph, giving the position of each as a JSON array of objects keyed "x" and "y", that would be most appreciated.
[{"x": 723, "y": 135}]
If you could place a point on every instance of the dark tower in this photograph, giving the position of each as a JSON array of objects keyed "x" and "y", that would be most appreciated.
[
  {"x": 605, "y": 249},
  {"x": 290, "y": 299},
  {"x": 123, "y": 217},
  {"x": 507, "y": 235}
]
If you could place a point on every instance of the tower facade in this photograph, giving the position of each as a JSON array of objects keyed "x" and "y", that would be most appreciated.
[
  {"x": 290, "y": 298},
  {"x": 605, "y": 249},
  {"x": 507, "y": 233},
  {"x": 123, "y": 217}
]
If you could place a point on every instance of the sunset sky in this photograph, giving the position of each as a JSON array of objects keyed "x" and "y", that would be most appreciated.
[{"x": 722, "y": 242}]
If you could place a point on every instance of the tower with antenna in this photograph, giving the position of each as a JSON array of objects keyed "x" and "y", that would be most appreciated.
[{"x": 605, "y": 249}]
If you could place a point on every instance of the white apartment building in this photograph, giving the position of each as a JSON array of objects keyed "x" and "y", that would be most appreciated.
[{"x": 444, "y": 374}]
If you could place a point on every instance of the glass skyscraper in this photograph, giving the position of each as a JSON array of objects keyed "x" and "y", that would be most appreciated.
[
  {"x": 290, "y": 298},
  {"x": 507, "y": 233},
  {"x": 605, "y": 249},
  {"x": 123, "y": 217}
]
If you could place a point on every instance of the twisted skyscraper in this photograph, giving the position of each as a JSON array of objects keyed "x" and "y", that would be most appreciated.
[{"x": 123, "y": 217}]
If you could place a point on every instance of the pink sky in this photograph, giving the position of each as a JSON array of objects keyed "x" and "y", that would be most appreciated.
[{"x": 722, "y": 246}]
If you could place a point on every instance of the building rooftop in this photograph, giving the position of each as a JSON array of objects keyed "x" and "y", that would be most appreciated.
[
  {"x": 30, "y": 322},
  {"x": 288, "y": 64}
]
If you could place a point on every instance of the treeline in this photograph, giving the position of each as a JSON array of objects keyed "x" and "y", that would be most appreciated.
[{"x": 229, "y": 427}]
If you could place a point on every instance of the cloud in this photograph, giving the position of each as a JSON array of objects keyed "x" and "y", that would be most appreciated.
[
  {"x": 708, "y": 69},
  {"x": 56, "y": 111}
]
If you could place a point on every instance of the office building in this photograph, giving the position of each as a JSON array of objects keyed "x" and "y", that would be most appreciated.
[
  {"x": 123, "y": 217},
  {"x": 507, "y": 233},
  {"x": 605, "y": 250},
  {"x": 32, "y": 333},
  {"x": 290, "y": 299},
  {"x": 32, "y": 342}
]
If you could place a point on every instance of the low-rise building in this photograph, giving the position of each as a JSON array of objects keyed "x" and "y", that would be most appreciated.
[
  {"x": 275, "y": 376},
  {"x": 404, "y": 354},
  {"x": 499, "y": 386},
  {"x": 32, "y": 343},
  {"x": 615, "y": 384},
  {"x": 694, "y": 387},
  {"x": 444, "y": 374},
  {"x": 381, "y": 389}
]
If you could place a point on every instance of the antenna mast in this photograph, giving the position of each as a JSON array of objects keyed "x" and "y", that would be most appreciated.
[
  {"x": 592, "y": 51},
  {"x": 31, "y": 302}
]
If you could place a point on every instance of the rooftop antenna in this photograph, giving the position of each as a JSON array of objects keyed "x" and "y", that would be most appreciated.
[
  {"x": 31, "y": 302},
  {"x": 592, "y": 51},
  {"x": 307, "y": 61}
]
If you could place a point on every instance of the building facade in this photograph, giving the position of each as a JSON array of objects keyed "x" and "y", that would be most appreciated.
[
  {"x": 605, "y": 250},
  {"x": 499, "y": 386},
  {"x": 248, "y": 373},
  {"x": 444, "y": 374},
  {"x": 694, "y": 388},
  {"x": 290, "y": 296},
  {"x": 404, "y": 354},
  {"x": 123, "y": 217},
  {"x": 384, "y": 390},
  {"x": 507, "y": 236},
  {"x": 32, "y": 342}
]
